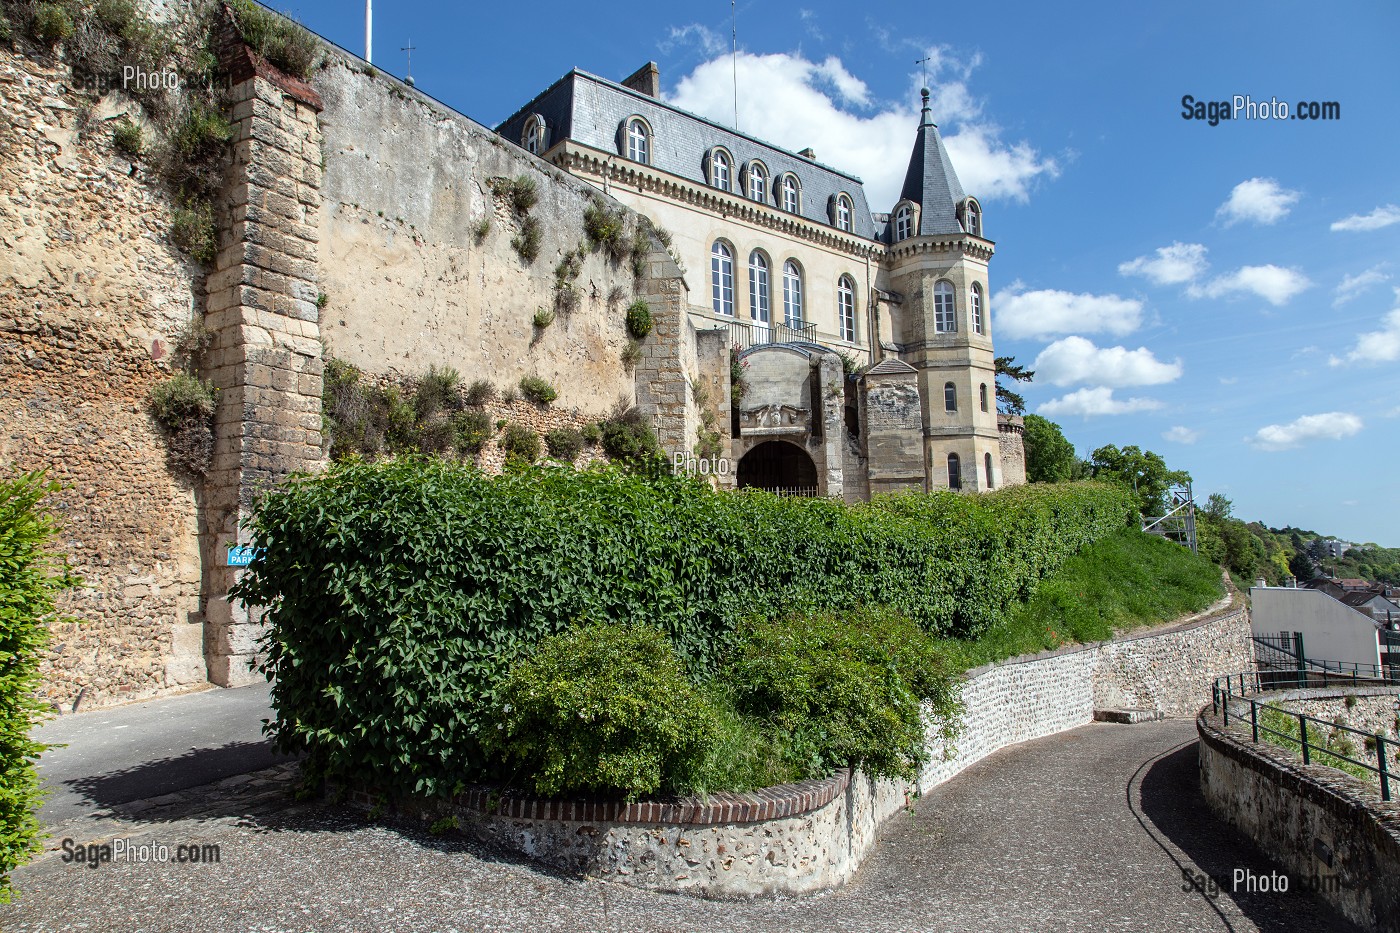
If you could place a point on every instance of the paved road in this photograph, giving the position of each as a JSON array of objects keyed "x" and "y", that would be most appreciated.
[
  {"x": 143, "y": 750},
  {"x": 1089, "y": 830}
]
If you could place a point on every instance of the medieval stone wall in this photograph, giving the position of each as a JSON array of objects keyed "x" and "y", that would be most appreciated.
[{"x": 92, "y": 298}]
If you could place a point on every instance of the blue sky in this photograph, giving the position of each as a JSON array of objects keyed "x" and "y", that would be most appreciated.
[{"x": 1227, "y": 295}]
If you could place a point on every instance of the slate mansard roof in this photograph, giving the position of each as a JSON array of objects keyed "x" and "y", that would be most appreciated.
[{"x": 591, "y": 110}]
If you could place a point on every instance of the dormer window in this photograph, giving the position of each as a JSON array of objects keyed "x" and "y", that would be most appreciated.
[
  {"x": 972, "y": 218},
  {"x": 903, "y": 223},
  {"x": 758, "y": 182},
  {"x": 721, "y": 169},
  {"x": 638, "y": 140},
  {"x": 535, "y": 139},
  {"x": 842, "y": 213},
  {"x": 790, "y": 194}
]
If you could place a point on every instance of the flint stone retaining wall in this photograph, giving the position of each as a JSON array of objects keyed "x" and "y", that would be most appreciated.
[
  {"x": 1327, "y": 828},
  {"x": 800, "y": 838}
]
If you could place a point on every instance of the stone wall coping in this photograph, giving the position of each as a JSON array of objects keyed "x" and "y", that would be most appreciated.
[
  {"x": 1222, "y": 609},
  {"x": 1335, "y": 692},
  {"x": 769, "y": 803}
]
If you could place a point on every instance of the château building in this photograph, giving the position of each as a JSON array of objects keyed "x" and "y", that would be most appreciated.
[{"x": 865, "y": 336}]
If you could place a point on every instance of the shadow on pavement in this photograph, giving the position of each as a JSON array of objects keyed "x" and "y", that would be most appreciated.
[{"x": 1173, "y": 805}]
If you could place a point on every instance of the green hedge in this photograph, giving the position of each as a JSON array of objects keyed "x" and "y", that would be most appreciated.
[
  {"x": 401, "y": 592},
  {"x": 30, "y": 578}
]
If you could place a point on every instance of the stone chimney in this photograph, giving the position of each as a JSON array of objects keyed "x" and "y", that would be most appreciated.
[
  {"x": 809, "y": 153},
  {"x": 645, "y": 80}
]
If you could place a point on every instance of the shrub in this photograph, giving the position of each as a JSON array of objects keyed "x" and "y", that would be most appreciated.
[
  {"x": 845, "y": 692},
  {"x": 606, "y": 229},
  {"x": 481, "y": 229},
  {"x": 6, "y": 32},
  {"x": 568, "y": 268},
  {"x": 184, "y": 407},
  {"x": 277, "y": 38},
  {"x": 519, "y": 192},
  {"x": 193, "y": 231},
  {"x": 601, "y": 708},
  {"x": 537, "y": 390},
  {"x": 479, "y": 393},
  {"x": 471, "y": 431},
  {"x": 564, "y": 444},
  {"x": 526, "y": 243},
  {"x": 52, "y": 24},
  {"x": 520, "y": 443},
  {"x": 116, "y": 16},
  {"x": 632, "y": 353},
  {"x": 437, "y": 391},
  {"x": 201, "y": 130},
  {"x": 638, "y": 319},
  {"x": 31, "y": 577},
  {"x": 566, "y": 297},
  {"x": 591, "y": 433},
  {"x": 543, "y": 318}
]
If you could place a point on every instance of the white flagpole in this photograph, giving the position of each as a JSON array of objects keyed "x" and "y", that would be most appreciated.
[{"x": 369, "y": 30}]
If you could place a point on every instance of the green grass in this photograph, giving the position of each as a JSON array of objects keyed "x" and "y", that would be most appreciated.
[
  {"x": 1343, "y": 743},
  {"x": 1125, "y": 581}
]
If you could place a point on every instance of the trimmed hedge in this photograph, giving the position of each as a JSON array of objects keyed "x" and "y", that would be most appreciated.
[{"x": 434, "y": 579}]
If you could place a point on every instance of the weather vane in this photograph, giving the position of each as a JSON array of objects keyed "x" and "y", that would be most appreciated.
[{"x": 408, "y": 79}]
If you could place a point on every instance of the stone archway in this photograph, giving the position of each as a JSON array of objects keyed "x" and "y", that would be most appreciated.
[{"x": 780, "y": 467}]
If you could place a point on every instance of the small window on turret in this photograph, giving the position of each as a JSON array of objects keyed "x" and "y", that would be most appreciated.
[
  {"x": 974, "y": 218},
  {"x": 903, "y": 223}
]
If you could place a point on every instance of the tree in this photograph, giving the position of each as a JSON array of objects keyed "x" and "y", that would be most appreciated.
[
  {"x": 1302, "y": 566},
  {"x": 1049, "y": 455},
  {"x": 1145, "y": 472},
  {"x": 1009, "y": 402},
  {"x": 1218, "y": 507}
]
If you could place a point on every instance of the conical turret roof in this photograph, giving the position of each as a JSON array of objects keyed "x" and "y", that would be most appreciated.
[{"x": 931, "y": 182}]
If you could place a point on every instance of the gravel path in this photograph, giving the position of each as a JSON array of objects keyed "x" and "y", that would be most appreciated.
[{"x": 1088, "y": 830}]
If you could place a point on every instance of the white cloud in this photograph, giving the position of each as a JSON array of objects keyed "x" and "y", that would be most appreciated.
[
  {"x": 1332, "y": 425},
  {"x": 1075, "y": 359},
  {"x": 1274, "y": 284},
  {"x": 1382, "y": 216},
  {"x": 1098, "y": 400},
  {"x": 1377, "y": 346},
  {"x": 1173, "y": 265},
  {"x": 1180, "y": 434},
  {"x": 702, "y": 37},
  {"x": 1352, "y": 286},
  {"x": 824, "y": 106},
  {"x": 1260, "y": 200},
  {"x": 1048, "y": 311}
]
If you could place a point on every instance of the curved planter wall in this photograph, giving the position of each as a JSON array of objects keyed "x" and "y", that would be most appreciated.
[{"x": 801, "y": 838}]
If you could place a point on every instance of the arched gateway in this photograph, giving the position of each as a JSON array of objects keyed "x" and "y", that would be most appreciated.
[{"x": 779, "y": 467}]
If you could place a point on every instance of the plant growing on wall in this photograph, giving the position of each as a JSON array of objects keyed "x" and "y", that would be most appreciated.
[
  {"x": 564, "y": 443},
  {"x": 184, "y": 406},
  {"x": 738, "y": 383},
  {"x": 127, "y": 137},
  {"x": 543, "y": 318},
  {"x": 521, "y": 444},
  {"x": 639, "y": 319},
  {"x": 631, "y": 353},
  {"x": 537, "y": 390},
  {"x": 277, "y": 38}
]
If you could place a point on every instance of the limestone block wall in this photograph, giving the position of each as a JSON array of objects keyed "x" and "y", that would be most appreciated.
[
  {"x": 92, "y": 297},
  {"x": 1013, "y": 449}
]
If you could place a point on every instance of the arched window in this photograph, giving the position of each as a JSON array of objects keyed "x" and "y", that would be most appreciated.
[
  {"x": 982, "y": 393},
  {"x": 943, "y": 320},
  {"x": 843, "y": 213},
  {"x": 977, "y": 308},
  {"x": 758, "y": 182},
  {"x": 758, "y": 287},
  {"x": 950, "y": 397},
  {"x": 903, "y": 223},
  {"x": 789, "y": 189},
  {"x": 719, "y": 169},
  {"x": 954, "y": 472},
  {"x": 974, "y": 218},
  {"x": 722, "y": 279},
  {"x": 846, "y": 307},
  {"x": 792, "y": 294},
  {"x": 987, "y": 463},
  {"x": 536, "y": 134},
  {"x": 638, "y": 141}
]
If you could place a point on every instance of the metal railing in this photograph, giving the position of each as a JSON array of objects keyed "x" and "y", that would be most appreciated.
[
  {"x": 1242, "y": 688},
  {"x": 745, "y": 334}
]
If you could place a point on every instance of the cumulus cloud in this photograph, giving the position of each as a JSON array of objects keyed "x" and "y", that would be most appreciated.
[
  {"x": 1173, "y": 265},
  {"x": 824, "y": 106},
  {"x": 1377, "y": 346},
  {"x": 1352, "y": 286},
  {"x": 1180, "y": 434},
  {"x": 1097, "y": 400},
  {"x": 1075, "y": 359},
  {"x": 1258, "y": 200},
  {"x": 1048, "y": 312},
  {"x": 705, "y": 39},
  {"x": 1382, "y": 216},
  {"x": 1275, "y": 284},
  {"x": 1332, "y": 425}
]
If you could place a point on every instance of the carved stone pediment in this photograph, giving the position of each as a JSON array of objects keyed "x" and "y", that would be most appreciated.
[{"x": 775, "y": 419}]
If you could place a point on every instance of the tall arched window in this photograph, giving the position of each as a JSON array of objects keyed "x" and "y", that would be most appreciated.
[
  {"x": 638, "y": 141},
  {"x": 987, "y": 464},
  {"x": 719, "y": 169},
  {"x": 843, "y": 213},
  {"x": 974, "y": 219},
  {"x": 535, "y": 138},
  {"x": 982, "y": 393},
  {"x": 903, "y": 223},
  {"x": 954, "y": 472},
  {"x": 722, "y": 279},
  {"x": 758, "y": 182},
  {"x": 790, "y": 194},
  {"x": 950, "y": 397},
  {"x": 792, "y": 294},
  {"x": 976, "y": 300},
  {"x": 944, "y": 321},
  {"x": 758, "y": 287},
  {"x": 846, "y": 307}
]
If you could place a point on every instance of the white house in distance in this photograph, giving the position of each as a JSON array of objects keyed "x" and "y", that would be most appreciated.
[{"x": 1331, "y": 630}]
